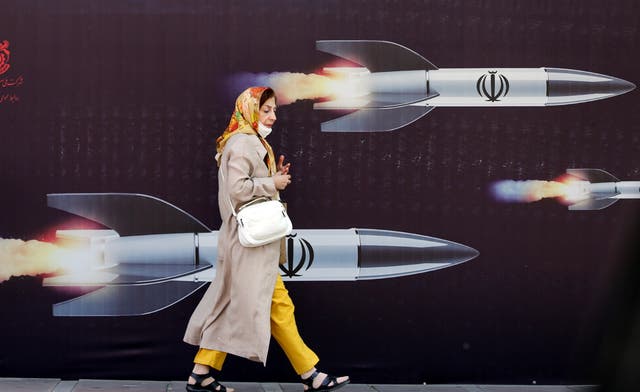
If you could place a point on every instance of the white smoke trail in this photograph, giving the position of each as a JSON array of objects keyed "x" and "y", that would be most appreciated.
[
  {"x": 18, "y": 257},
  {"x": 527, "y": 191}
]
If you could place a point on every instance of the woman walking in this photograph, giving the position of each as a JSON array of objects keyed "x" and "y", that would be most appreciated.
[{"x": 247, "y": 302}]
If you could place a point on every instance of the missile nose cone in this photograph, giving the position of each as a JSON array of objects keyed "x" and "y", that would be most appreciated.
[
  {"x": 568, "y": 86},
  {"x": 618, "y": 86},
  {"x": 385, "y": 254},
  {"x": 626, "y": 86}
]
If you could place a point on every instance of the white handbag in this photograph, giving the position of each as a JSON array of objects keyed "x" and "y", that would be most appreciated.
[{"x": 261, "y": 221}]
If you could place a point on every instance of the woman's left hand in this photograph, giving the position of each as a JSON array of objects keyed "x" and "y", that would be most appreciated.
[{"x": 282, "y": 168}]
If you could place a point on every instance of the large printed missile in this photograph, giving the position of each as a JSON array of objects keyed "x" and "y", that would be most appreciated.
[
  {"x": 154, "y": 254},
  {"x": 596, "y": 189},
  {"x": 396, "y": 86}
]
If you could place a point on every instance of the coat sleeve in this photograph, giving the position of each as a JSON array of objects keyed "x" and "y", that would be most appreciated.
[{"x": 242, "y": 185}]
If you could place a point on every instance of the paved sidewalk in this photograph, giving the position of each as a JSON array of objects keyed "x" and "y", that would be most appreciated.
[{"x": 57, "y": 385}]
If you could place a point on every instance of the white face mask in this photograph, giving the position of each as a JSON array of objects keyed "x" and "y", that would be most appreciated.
[{"x": 263, "y": 130}]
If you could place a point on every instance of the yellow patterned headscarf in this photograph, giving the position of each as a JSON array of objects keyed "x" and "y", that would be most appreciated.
[{"x": 245, "y": 120}]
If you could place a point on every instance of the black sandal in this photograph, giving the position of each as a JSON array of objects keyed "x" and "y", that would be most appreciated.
[
  {"x": 325, "y": 383},
  {"x": 215, "y": 386}
]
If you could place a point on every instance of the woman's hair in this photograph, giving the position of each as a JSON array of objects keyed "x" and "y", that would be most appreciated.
[{"x": 266, "y": 94}]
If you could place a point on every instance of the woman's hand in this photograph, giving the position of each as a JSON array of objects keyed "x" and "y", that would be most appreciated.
[
  {"x": 282, "y": 168},
  {"x": 281, "y": 180}
]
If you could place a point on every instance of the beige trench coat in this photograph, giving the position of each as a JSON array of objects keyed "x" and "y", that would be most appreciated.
[{"x": 234, "y": 314}]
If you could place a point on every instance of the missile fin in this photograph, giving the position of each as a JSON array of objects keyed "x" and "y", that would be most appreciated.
[
  {"x": 376, "y": 101},
  {"x": 592, "y": 204},
  {"x": 126, "y": 274},
  {"x": 604, "y": 196},
  {"x": 592, "y": 175},
  {"x": 376, "y": 56},
  {"x": 134, "y": 300},
  {"x": 376, "y": 120},
  {"x": 128, "y": 213}
]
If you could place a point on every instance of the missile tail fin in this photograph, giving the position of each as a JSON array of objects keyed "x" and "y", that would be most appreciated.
[
  {"x": 376, "y": 56},
  {"x": 592, "y": 175},
  {"x": 127, "y": 273},
  {"x": 592, "y": 204},
  {"x": 127, "y": 300},
  {"x": 376, "y": 120},
  {"x": 128, "y": 213},
  {"x": 375, "y": 101}
]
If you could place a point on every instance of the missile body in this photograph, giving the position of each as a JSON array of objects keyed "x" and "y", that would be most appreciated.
[
  {"x": 397, "y": 86},
  {"x": 597, "y": 189},
  {"x": 143, "y": 273}
]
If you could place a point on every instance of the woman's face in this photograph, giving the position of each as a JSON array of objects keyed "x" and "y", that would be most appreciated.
[{"x": 268, "y": 112}]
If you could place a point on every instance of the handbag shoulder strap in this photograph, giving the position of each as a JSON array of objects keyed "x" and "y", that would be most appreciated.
[{"x": 233, "y": 210}]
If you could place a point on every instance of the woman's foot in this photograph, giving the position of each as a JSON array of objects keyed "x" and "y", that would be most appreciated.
[
  {"x": 315, "y": 381},
  {"x": 205, "y": 382}
]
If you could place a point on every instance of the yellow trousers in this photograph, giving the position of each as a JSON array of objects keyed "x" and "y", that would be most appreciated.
[{"x": 283, "y": 329}]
